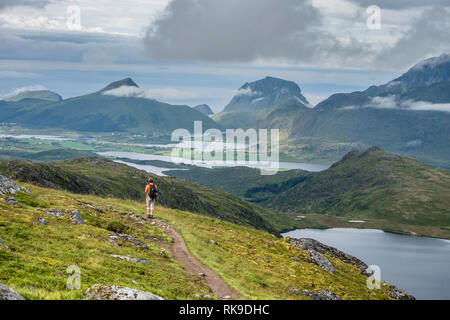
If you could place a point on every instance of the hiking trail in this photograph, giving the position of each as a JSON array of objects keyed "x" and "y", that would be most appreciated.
[{"x": 180, "y": 252}]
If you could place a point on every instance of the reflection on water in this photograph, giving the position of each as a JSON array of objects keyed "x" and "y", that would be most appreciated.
[{"x": 419, "y": 266}]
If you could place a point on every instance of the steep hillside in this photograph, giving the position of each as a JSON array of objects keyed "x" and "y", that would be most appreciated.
[
  {"x": 109, "y": 179},
  {"x": 110, "y": 244}
]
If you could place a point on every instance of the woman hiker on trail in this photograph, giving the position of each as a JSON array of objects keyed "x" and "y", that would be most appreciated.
[{"x": 151, "y": 191}]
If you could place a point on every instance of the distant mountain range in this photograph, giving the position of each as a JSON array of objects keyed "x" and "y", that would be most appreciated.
[
  {"x": 409, "y": 115},
  {"x": 112, "y": 109}
]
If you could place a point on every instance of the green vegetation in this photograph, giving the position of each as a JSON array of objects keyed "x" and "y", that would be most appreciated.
[{"x": 36, "y": 266}]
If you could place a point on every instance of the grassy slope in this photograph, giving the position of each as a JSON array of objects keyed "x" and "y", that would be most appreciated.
[
  {"x": 36, "y": 267},
  {"x": 109, "y": 179}
]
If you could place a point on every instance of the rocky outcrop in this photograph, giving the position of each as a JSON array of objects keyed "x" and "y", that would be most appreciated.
[
  {"x": 397, "y": 294},
  {"x": 124, "y": 258},
  {"x": 13, "y": 202},
  {"x": 9, "y": 294},
  {"x": 106, "y": 292},
  {"x": 127, "y": 238},
  {"x": 41, "y": 221},
  {"x": 56, "y": 212},
  {"x": 320, "y": 260},
  {"x": 320, "y": 295},
  {"x": 76, "y": 217},
  {"x": 316, "y": 246},
  {"x": 8, "y": 186}
]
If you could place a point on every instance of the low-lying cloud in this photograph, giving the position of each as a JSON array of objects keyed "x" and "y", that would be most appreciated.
[
  {"x": 246, "y": 92},
  {"x": 392, "y": 102},
  {"x": 20, "y": 90},
  {"x": 152, "y": 94}
]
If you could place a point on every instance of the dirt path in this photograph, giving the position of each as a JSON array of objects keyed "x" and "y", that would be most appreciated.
[{"x": 180, "y": 252}]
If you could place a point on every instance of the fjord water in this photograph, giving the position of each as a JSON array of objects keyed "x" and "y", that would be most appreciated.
[
  {"x": 420, "y": 266},
  {"x": 141, "y": 156}
]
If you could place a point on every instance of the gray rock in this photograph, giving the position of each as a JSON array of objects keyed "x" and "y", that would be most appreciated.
[
  {"x": 320, "y": 260},
  {"x": 127, "y": 238},
  {"x": 106, "y": 292},
  {"x": 2, "y": 245},
  {"x": 42, "y": 221},
  {"x": 8, "y": 186},
  {"x": 320, "y": 295},
  {"x": 213, "y": 242},
  {"x": 124, "y": 258},
  {"x": 307, "y": 244},
  {"x": 296, "y": 259},
  {"x": 76, "y": 217},
  {"x": 90, "y": 206},
  {"x": 164, "y": 254},
  {"x": 56, "y": 212},
  {"x": 13, "y": 202},
  {"x": 9, "y": 294}
]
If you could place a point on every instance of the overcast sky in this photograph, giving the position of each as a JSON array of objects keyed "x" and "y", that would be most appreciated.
[{"x": 200, "y": 51}]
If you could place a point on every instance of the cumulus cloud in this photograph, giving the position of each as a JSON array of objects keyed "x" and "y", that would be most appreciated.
[
  {"x": 235, "y": 30},
  {"x": 429, "y": 35},
  {"x": 152, "y": 94},
  {"x": 392, "y": 102},
  {"x": 294, "y": 31}
]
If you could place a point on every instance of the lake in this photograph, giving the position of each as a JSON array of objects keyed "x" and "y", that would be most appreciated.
[
  {"x": 206, "y": 164},
  {"x": 420, "y": 266}
]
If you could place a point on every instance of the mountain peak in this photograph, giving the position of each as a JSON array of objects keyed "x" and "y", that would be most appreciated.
[
  {"x": 266, "y": 93},
  {"x": 425, "y": 73},
  {"x": 127, "y": 82},
  {"x": 205, "y": 109}
]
